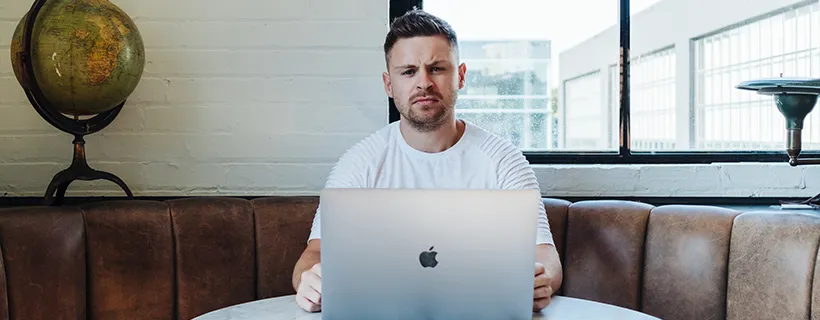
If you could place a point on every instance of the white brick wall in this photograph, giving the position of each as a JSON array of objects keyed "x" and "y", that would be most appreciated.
[
  {"x": 261, "y": 97},
  {"x": 251, "y": 97}
]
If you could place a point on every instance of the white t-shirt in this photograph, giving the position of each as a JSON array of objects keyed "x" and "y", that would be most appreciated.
[{"x": 479, "y": 160}]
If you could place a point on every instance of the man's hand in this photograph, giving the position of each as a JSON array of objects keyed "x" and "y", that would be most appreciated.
[
  {"x": 309, "y": 293},
  {"x": 542, "y": 289}
]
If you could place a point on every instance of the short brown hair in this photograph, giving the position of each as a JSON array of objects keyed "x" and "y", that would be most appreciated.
[{"x": 416, "y": 23}]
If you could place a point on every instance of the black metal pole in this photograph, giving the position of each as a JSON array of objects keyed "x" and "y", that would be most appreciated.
[{"x": 625, "y": 146}]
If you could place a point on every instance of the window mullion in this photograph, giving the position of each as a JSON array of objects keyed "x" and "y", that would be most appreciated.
[{"x": 624, "y": 122}]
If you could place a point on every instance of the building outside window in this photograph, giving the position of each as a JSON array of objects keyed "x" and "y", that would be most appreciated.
[
  {"x": 507, "y": 90},
  {"x": 545, "y": 75}
]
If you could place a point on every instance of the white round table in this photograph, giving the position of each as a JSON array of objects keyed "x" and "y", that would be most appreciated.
[{"x": 561, "y": 308}]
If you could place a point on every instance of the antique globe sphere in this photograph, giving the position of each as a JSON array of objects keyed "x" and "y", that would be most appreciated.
[{"x": 88, "y": 55}]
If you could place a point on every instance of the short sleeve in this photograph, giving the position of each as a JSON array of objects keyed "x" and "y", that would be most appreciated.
[
  {"x": 350, "y": 171},
  {"x": 515, "y": 172}
]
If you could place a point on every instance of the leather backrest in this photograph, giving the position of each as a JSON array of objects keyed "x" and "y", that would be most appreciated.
[
  {"x": 215, "y": 253},
  {"x": 693, "y": 262},
  {"x": 772, "y": 262},
  {"x": 44, "y": 263},
  {"x": 130, "y": 253},
  {"x": 604, "y": 253},
  {"x": 282, "y": 229},
  {"x": 686, "y": 259},
  {"x": 182, "y": 258}
]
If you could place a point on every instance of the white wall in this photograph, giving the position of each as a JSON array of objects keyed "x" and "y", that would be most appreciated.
[
  {"x": 246, "y": 97},
  {"x": 261, "y": 97}
]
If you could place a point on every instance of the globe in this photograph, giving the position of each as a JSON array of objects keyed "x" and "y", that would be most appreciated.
[
  {"x": 87, "y": 55},
  {"x": 85, "y": 58}
]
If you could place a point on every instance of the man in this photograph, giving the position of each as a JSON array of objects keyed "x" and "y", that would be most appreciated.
[{"x": 429, "y": 147}]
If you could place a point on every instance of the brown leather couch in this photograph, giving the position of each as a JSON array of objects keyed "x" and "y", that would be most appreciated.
[{"x": 182, "y": 258}]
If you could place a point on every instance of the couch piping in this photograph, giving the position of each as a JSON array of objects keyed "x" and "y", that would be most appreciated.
[
  {"x": 255, "y": 251},
  {"x": 88, "y": 291},
  {"x": 811, "y": 282},
  {"x": 175, "y": 275},
  {"x": 641, "y": 279}
]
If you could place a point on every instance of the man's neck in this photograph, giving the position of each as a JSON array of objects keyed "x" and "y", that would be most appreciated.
[{"x": 433, "y": 141}]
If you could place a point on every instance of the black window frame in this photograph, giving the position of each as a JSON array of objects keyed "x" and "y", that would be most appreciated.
[{"x": 624, "y": 154}]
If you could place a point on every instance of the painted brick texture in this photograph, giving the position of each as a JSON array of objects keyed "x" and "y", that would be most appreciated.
[{"x": 240, "y": 97}]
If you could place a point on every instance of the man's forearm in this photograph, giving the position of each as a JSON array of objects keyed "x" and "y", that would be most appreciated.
[
  {"x": 308, "y": 259},
  {"x": 547, "y": 255}
]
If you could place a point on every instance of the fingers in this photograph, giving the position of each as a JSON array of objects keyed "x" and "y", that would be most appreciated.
[
  {"x": 309, "y": 293},
  {"x": 307, "y": 305},
  {"x": 317, "y": 268},
  {"x": 312, "y": 280},
  {"x": 542, "y": 292},
  {"x": 539, "y": 304},
  {"x": 312, "y": 295},
  {"x": 539, "y": 268},
  {"x": 542, "y": 280},
  {"x": 309, "y": 298}
]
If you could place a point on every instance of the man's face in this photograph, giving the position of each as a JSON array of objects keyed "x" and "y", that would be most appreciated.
[{"x": 423, "y": 79}]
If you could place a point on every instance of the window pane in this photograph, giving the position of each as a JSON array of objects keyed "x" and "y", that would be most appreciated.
[
  {"x": 781, "y": 44},
  {"x": 685, "y": 64},
  {"x": 585, "y": 113},
  {"x": 653, "y": 100},
  {"x": 514, "y": 87},
  {"x": 506, "y": 77}
]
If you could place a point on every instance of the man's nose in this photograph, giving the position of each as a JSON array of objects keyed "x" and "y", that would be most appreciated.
[{"x": 424, "y": 81}]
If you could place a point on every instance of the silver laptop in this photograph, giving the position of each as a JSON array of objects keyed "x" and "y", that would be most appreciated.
[{"x": 428, "y": 254}]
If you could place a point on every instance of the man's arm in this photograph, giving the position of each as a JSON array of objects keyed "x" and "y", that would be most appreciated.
[
  {"x": 307, "y": 278},
  {"x": 309, "y": 258},
  {"x": 515, "y": 173},
  {"x": 547, "y": 255},
  {"x": 349, "y": 172}
]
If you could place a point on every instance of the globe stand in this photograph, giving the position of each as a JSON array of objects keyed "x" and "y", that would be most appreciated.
[
  {"x": 79, "y": 168},
  {"x": 795, "y": 99}
]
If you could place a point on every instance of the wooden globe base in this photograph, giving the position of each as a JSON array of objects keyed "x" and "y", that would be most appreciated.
[{"x": 79, "y": 170}]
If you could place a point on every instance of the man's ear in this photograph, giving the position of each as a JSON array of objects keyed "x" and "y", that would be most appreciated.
[
  {"x": 388, "y": 88},
  {"x": 462, "y": 72}
]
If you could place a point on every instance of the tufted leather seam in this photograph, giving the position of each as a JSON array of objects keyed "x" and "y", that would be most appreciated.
[
  {"x": 255, "y": 250},
  {"x": 641, "y": 279},
  {"x": 811, "y": 282},
  {"x": 175, "y": 286},
  {"x": 562, "y": 252},
  {"x": 5, "y": 275},
  {"x": 728, "y": 266},
  {"x": 5, "y": 279},
  {"x": 88, "y": 292}
]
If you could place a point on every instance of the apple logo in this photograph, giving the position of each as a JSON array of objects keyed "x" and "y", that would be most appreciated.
[{"x": 428, "y": 258}]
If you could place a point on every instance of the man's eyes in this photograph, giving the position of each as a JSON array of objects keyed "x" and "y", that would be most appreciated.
[{"x": 433, "y": 69}]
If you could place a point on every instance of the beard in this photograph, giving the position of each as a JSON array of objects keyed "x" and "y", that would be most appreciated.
[{"x": 427, "y": 118}]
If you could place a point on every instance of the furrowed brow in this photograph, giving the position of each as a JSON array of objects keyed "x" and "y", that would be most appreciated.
[{"x": 406, "y": 66}]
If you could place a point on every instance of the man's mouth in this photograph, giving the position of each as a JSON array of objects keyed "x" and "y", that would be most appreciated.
[{"x": 425, "y": 100}]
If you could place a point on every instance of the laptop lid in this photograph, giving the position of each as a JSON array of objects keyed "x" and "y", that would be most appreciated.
[{"x": 428, "y": 254}]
